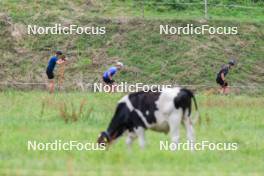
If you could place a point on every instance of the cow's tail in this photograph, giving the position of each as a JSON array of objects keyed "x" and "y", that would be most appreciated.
[{"x": 196, "y": 118}]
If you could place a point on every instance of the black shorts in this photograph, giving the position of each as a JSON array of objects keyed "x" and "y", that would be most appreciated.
[
  {"x": 50, "y": 74},
  {"x": 221, "y": 82},
  {"x": 108, "y": 81}
]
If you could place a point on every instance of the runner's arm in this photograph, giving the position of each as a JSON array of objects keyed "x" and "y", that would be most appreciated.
[
  {"x": 60, "y": 61},
  {"x": 223, "y": 76},
  {"x": 109, "y": 75}
]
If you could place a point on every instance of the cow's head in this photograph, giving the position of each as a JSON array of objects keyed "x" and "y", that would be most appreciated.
[
  {"x": 117, "y": 126},
  {"x": 103, "y": 138}
]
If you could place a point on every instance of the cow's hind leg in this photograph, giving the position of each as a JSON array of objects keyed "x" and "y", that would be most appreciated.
[
  {"x": 189, "y": 130},
  {"x": 174, "y": 124}
]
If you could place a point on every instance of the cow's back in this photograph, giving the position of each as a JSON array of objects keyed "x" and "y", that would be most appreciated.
[{"x": 165, "y": 103}]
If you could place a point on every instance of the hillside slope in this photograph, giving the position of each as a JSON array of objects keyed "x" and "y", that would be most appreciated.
[{"x": 149, "y": 57}]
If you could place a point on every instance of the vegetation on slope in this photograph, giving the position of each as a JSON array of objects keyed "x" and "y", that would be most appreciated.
[{"x": 149, "y": 57}]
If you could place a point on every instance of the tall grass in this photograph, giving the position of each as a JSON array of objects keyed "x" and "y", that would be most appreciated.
[{"x": 225, "y": 119}]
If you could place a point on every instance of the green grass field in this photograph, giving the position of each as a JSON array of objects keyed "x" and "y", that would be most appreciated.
[
  {"x": 38, "y": 116},
  {"x": 148, "y": 56}
]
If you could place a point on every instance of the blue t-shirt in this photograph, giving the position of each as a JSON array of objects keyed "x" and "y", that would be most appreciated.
[
  {"x": 52, "y": 63},
  {"x": 111, "y": 70}
]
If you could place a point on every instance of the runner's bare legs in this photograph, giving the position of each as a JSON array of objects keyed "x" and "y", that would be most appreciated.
[{"x": 51, "y": 86}]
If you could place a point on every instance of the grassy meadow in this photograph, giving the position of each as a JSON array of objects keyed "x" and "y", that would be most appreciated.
[
  {"x": 148, "y": 56},
  {"x": 39, "y": 116}
]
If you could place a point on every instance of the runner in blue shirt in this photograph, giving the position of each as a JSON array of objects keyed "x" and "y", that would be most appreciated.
[
  {"x": 57, "y": 59},
  {"x": 108, "y": 75}
]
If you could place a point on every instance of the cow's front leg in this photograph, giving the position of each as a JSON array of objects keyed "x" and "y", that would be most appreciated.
[
  {"x": 174, "y": 124},
  {"x": 140, "y": 132},
  {"x": 130, "y": 138}
]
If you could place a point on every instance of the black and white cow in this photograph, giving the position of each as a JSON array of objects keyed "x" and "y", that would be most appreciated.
[{"x": 159, "y": 111}]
